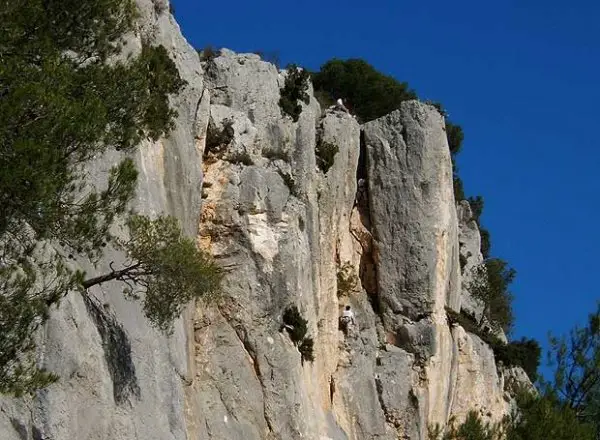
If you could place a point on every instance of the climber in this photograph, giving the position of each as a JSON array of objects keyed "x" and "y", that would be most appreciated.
[
  {"x": 340, "y": 105},
  {"x": 346, "y": 319},
  {"x": 361, "y": 200}
]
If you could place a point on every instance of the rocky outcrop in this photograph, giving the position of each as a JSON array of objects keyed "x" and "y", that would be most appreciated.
[
  {"x": 470, "y": 256},
  {"x": 243, "y": 178}
]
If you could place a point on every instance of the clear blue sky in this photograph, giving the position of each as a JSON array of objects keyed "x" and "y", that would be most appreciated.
[{"x": 520, "y": 76}]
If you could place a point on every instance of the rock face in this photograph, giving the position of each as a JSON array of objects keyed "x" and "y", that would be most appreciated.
[
  {"x": 243, "y": 178},
  {"x": 120, "y": 378},
  {"x": 470, "y": 255}
]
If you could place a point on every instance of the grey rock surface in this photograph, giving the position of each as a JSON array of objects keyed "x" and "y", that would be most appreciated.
[
  {"x": 120, "y": 378},
  {"x": 410, "y": 181},
  {"x": 243, "y": 178},
  {"x": 470, "y": 253}
]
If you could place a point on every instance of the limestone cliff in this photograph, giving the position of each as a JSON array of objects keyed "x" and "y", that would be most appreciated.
[{"x": 244, "y": 179}]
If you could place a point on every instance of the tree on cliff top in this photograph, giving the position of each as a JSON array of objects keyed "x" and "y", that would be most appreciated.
[
  {"x": 61, "y": 104},
  {"x": 369, "y": 93}
]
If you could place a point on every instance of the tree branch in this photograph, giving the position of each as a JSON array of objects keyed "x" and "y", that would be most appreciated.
[{"x": 113, "y": 275}]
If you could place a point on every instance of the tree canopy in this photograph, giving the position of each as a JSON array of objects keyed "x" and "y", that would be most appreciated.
[
  {"x": 368, "y": 93},
  {"x": 67, "y": 96}
]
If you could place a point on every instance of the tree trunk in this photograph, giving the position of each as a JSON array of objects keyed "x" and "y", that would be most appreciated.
[{"x": 114, "y": 275}]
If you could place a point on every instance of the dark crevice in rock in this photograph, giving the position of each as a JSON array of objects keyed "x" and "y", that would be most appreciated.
[
  {"x": 368, "y": 268},
  {"x": 251, "y": 351},
  {"x": 36, "y": 434},
  {"x": 361, "y": 170},
  {"x": 117, "y": 352},
  {"x": 386, "y": 413},
  {"x": 331, "y": 389},
  {"x": 404, "y": 135},
  {"x": 20, "y": 428}
]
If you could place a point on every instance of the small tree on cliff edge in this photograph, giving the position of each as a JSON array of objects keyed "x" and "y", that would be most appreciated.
[{"x": 61, "y": 105}]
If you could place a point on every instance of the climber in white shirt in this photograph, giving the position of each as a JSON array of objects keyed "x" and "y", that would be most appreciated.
[
  {"x": 340, "y": 105},
  {"x": 347, "y": 318}
]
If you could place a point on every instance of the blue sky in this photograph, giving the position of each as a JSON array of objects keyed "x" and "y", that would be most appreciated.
[{"x": 521, "y": 77}]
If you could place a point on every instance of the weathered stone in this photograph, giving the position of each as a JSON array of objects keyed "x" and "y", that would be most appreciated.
[
  {"x": 282, "y": 229},
  {"x": 470, "y": 255},
  {"x": 412, "y": 212}
]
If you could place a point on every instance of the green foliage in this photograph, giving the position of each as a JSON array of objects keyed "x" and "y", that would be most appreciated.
[
  {"x": 543, "y": 418},
  {"x": 473, "y": 428},
  {"x": 489, "y": 284},
  {"x": 166, "y": 267},
  {"x": 455, "y": 137},
  {"x": 217, "y": 139},
  {"x": 459, "y": 191},
  {"x": 567, "y": 407},
  {"x": 208, "y": 53},
  {"x": 476, "y": 204},
  {"x": 240, "y": 157},
  {"x": 576, "y": 359},
  {"x": 369, "y": 93},
  {"x": 63, "y": 104},
  {"x": 293, "y": 319},
  {"x": 536, "y": 418},
  {"x": 276, "y": 154},
  {"x": 294, "y": 91},
  {"x": 306, "y": 349},
  {"x": 326, "y": 152},
  {"x": 297, "y": 327},
  {"x": 347, "y": 280},
  {"x": 323, "y": 98},
  {"x": 486, "y": 245},
  {"x": 524, "y": 353}
]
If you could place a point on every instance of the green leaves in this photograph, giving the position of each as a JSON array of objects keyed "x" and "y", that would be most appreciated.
[
  {"x": 576, "y": 359},
  {"x": 62, "y": 103},
  {"x": 367, "y": 92},
  {"x": 297, "y": 328},
  {"x": 472, "y": 428},
  {"x": 545, "y": 417},
  {"x": 169, "y": 267},
  {"x": 489, "y": 284},
  {"x": 294, "y": 92}
]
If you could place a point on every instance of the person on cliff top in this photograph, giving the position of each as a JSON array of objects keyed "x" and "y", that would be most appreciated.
[{"x": 340, "y": 105}]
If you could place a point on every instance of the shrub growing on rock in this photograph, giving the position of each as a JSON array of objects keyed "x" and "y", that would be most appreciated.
[
  {"x": 218, "y": 140},
  {"x": 294, "y": 92},
  {"x": 524, "y": 353},
  {"x": 346, "y": 279},
  {"x": 208, "y": 53},
  {"x": 489, "y": 285},
  {"x": 306, "y": 349},
  {"x": 296, "y": 325},
  {"x": 326, "y": 152}
]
